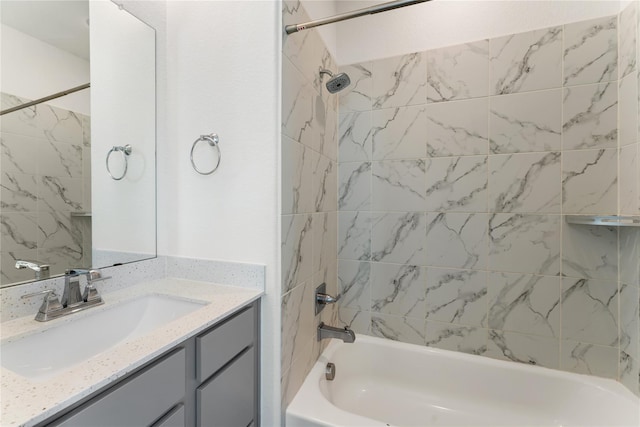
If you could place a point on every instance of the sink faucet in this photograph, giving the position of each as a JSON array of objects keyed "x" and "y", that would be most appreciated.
[
  {"x": 346, "y": 334},
  {"x": 42, "y": 270}
]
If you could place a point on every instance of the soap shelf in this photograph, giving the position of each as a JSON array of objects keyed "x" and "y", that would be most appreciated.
[
  {"x": 81, "y": 214},
  {"x": 606, "y": 220}
]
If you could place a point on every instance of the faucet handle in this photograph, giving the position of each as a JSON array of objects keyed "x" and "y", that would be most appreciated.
[{"x": 50, "y": 304}]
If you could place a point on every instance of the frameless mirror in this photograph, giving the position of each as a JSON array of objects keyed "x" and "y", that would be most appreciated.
[{"x": 77, "y": 170}]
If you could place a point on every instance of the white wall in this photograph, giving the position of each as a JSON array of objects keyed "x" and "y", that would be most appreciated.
[
  {"x": 33, "y": 69},
  {"x": 428, "y": 25},
  {"x": 123, "y": 112},
  {"x": 223, "y": 77}
]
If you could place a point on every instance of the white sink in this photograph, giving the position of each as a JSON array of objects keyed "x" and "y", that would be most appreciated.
[{"x": 42, "y": 355}]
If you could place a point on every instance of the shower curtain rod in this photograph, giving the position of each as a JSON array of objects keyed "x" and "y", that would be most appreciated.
[
  {"x": 290, "y": 29},
  {"x": 45, "y": 99}
]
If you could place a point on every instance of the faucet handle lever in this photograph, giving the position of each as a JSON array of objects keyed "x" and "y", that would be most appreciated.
[{"x": 50, "y": 304}]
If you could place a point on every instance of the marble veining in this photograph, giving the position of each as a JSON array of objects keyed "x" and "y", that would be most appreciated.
[
  {"x": 355, "y": 136},
  {"x": 357, "y": 97},
  {"x": 466, "y": 339},
  {"x": 590, "y": 252},
  {"x": 591, "y": 51},
  {"x": 399, "y": 133},
  {"x": 457, "y": 128},
  {"x": 354, "y": 235},
  {"x": 524, "y": 303},
  {"x": 526, "y": 122},
  {"x": 398, "y": 290},
  {"x": 529, "y": 349},
  {"x": 526, "y": 61},
  {"x": 398, "y": 185},
  {"x": 589, "y": 359},
  {"x": 590, "y": 181},
  {"x": 296, "y": 250},
  {"x": 628, "y": 39},
  {"x": 525, "y": 183},
  {"x": 590, "y": 117},
  {"x": 354, "y": 192},
  {"x": 404, "y": 329},
  {"x": 398, "y": 238},
  {"x": 399, "y": 81},
  {"x": 457, "y": 184},
  {"x": 457, "y": 240},
  {"x": 458, "y": 72},
  {"x": 457, "y": 296},
  {"x": 354, "y": 284}
]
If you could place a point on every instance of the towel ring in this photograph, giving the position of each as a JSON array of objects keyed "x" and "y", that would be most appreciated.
[
  {"x": 126, "y": 150},
  {"x": 213, "y": 141}
]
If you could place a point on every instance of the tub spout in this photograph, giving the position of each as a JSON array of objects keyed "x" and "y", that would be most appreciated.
[{"x": 346, "y": 334}]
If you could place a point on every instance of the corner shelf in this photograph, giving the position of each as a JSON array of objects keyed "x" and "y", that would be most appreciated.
[
  {"x": 81, "y": 214},
  {"x": 605, "y": 220}
]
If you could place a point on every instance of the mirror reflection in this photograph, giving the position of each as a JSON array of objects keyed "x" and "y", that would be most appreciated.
[{"x": 60, "y": 206}]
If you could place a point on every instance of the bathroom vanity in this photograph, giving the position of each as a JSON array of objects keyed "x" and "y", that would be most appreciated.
[{"x": 200, "y": 369}]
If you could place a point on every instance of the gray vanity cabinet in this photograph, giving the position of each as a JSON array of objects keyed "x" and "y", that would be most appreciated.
[{"x": 207, "y": 381}]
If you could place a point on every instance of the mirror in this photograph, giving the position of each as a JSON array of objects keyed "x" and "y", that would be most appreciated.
[{"x": 71, "y": 194}]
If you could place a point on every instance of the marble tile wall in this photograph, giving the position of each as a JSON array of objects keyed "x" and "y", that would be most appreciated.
[
  {"x": 45, "y": 176},
  {"x": 457, "y": 167},
  {"x": 309, "y": 197}
]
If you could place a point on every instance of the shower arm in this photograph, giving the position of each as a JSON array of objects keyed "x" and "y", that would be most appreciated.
[{"x": 384, "y": 7}]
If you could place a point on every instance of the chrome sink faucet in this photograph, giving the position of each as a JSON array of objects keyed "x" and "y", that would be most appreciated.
[
  {"x": 72, "y": 300},
  {"x": 345, "y": 334}
]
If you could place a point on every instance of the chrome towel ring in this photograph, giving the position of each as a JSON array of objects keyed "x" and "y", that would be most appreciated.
[
  {"x": 213, "y": 141},
  {"x": 126, "y": 150}
]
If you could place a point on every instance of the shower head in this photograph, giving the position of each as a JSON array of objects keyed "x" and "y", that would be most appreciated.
[{"x": 336, "y": 83}]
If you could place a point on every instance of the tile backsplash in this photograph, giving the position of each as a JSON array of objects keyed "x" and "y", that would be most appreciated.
[{"x": 457, "y": 167}]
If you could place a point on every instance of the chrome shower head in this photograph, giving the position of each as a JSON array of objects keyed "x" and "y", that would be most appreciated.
[{"x": 336, "y": 83}]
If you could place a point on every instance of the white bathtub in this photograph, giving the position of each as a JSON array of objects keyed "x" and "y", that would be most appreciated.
[{"x": 385, "y": 383}]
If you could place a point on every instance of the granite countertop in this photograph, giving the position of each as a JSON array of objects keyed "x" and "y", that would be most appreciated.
[{"x": 28, "y": 402}]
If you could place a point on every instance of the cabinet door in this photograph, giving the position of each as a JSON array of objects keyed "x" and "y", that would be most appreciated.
[
  {"x": 175, "y": 418},
  {"x": 227, "y": 400},
  {"x": 137, "y": 402}
]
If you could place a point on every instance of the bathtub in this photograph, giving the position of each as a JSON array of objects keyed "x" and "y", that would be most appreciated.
[{"x": 384, "y": 383}]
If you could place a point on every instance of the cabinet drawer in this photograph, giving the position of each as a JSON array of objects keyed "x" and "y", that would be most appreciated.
[
  {"x": 175, "y": 418},
  {"x": 227, "y": 400},
  {"x": 217, "y": 347},
  {"x": 139, "y": 401}
]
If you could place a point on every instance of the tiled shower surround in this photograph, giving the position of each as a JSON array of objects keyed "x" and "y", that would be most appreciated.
[
  {"x": 452, "y": 171},
  {"x": 45, "y": 175},
  {"x": 457, "y": 167}
]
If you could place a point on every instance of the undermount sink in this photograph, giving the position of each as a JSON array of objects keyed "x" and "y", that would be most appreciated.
[{"x": 42, "y": 355}]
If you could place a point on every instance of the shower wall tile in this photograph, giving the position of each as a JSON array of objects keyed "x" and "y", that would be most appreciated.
[
  {"x": 86, "y": 130},
  {"x": 403, "y": 329},
  {"x": 591, "y": 51},
  {"x": 19, "y": 153},
  {"x": 298, "y": 101},
  {"x": 524, "y": 303},
  {"x": 358, "y": 321},
  {"x": 57, "y": 231},
  {"x": 458, "y": 128},
  {"x": 354, "y": 192},
  {"x": 324, "y": 183},
  {"x": 355, "y": 135},
  {"x": 590, "y": 117},
  {"x": 18, "y": 192},
  {"x": 525, "y": 183},
  {"x": 59, "y": 125},
  {"x": 456, "y": 184},
  {"x": 628, "y": 114},
  {"x": 457, "y": 240},
  {"x": 59, "y": 194},
  {"x": 19, "y": 231},
  {"x": 590, "y": 252},
  {"x": 297, "y": 248},
  {"x": 328, "y": 133},
  {"x": 297, "y": 322},
  {"x": 629, "y": 182},
  {"x": 590, "y": 311},
  {"x": 354, "y": 284},
  {"x": 528, "y": 349},
  {"x": 398, "y": 238},
  {"x": 589, "y": 359},
  {"x": 524, "y": 243},
  {"x": 629, "y": 371},
  {"x": 324, "y": 226},
  {"x": 358, "y": 95},
  {"x": 399, "y": 133},
  {"x": 398, "y": 290},
  {"x": 399, "y": 81},
  {"x": 630, "y": 320},
  {"x": 629, "y": 255},
  {"x": 297, "y": 175},
  {"x": 465, "y": 339},
  {"x": 590, "y": 182},
  {"x": 526, "y": 61},
  {"x": 458, "y": 72},
  {"x": 526, "y": 122},
  {"x": 628, "y": 27},
  {"x": 354, "y": 235},
  {"x": 398, "y": 185},
  {"x": 457, "y": 296}
]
